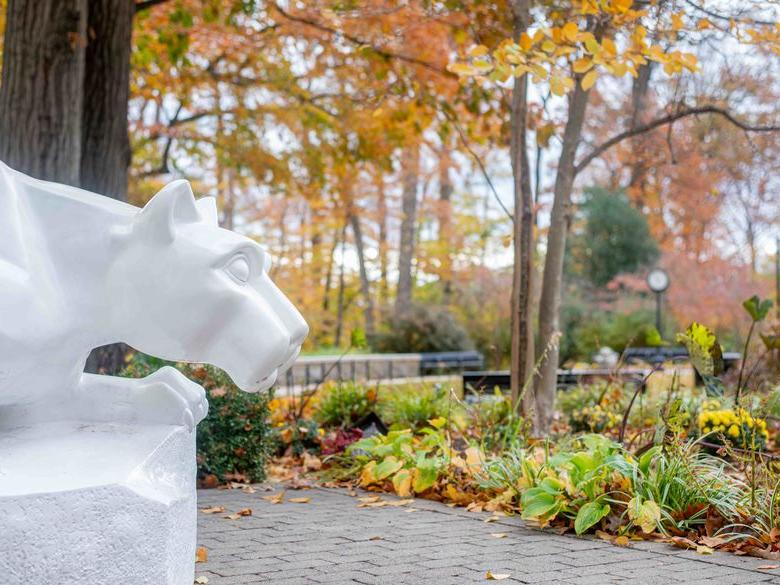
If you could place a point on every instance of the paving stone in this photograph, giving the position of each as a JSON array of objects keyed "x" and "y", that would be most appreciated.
[{"x": 330, "y": 541}]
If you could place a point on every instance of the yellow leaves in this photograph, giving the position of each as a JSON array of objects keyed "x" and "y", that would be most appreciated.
[
  {"x": 402, "y": 483},
  {"x": 646, "y": 514},
  {"x": 677, "y": 21},
  {"x": 461, "y": 69},
  {"x": 201, "y": 554},
  {"x": 582, "y": 65},
  {"x": 367, "y": 476},
  {"x": 544, "y": 134},
  {"x": 299, "y": 500},
  {"x": 560, "y": 85},
  {"x": 526, "y": 42},
  {"x": 622, "y": 6},
  {"x": 490, "y": 576},
  {"x": 589, "y": 79},
  {"x": 703, "y": 24},
  {"x": 478, "y": 51},
  {"x": 569, "y": 32},
  {"x": 499, "y": 534},
  {"x": 212, "y": 510}
]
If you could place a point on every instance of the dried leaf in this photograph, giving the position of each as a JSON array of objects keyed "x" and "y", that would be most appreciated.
[
  {"x": 369, "y": 499},
  {"x": 299, "y": 500},
  {"x": 201, "y": 554},
  {"x": 768, "y": 567},
  {"x": 704, "y": 550},
  {"x": 499, "y": 534},
  {"x": 276, "y": 498},
  {"x": 375, "y": 538},
  {"x": 213, "y": 510},
  {"x": 490, "y": 576},
  {"x": 202, "y": 580},
  {"x": 621, "y": 541}
]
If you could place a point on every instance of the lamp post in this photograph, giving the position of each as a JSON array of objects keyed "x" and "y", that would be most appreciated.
[{"x": 658, "y": 282}]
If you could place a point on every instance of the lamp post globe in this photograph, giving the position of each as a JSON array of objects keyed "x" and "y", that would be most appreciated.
[{"x": 658, "y": 280}]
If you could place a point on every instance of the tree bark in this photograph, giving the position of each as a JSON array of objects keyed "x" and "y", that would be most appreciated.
[
  {"x": 552, "y": 279},
  {"x": 410, "y": 168},
  {"x": 522, "y": 357},
  {"x": 105, "y": 146},
  {"x": 41, "y": 88},
  {"x": 365, "y": 286}
]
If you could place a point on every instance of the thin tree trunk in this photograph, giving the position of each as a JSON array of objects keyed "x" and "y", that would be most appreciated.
[
  {"x": 410, "y": 168},
  {"x": 340, "y": 304},
  {"x": 383, "y": 261},
  {"x": 552, "y": 279},
  {"x": 329, "y": 272},
  {"x": 41, "y": 89},
  {"x": 105, "y": 146},
  {"x": 446, "y": 189},
  {"x": 365, "y": 287},
  {"x": 522, "y": 357}
]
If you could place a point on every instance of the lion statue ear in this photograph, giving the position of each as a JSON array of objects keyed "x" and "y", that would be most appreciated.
[
  {"x": 174, "y": 204},
  {"x": 207, "y": 206}
]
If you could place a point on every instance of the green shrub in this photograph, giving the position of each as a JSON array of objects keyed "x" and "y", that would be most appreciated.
[
  {"x": 235, "y": 438},
  {"x": 343, "y": 404},
  {"x": 413, "y": 407},
  {"x": 423, "y": 329}
]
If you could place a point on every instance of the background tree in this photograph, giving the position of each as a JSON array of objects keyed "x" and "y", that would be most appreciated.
[{"x": 614, "y": 239}]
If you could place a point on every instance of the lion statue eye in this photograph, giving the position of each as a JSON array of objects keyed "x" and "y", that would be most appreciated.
[{"x": 239, "y": 269}]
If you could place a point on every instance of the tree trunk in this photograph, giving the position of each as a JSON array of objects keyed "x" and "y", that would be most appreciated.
[
  {"x": 522, "y": 357},
  {"x": 340, "y": 302},
  {"x": 384, "y": 292},
  {"x": 105, "y": 146},
  {"x": 552, "y": 280},
  {"x": 365, "y": 287},
  {"x": 41, "y": 88},
  {"x": 410, "y": 168},
  {"x": 445, "y": 222}
]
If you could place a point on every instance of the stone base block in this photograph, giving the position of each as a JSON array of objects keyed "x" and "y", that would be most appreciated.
[{"x": 97, "y": 504}]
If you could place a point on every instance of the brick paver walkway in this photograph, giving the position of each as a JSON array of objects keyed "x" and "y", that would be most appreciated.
[{"x": 331, "y": 540}]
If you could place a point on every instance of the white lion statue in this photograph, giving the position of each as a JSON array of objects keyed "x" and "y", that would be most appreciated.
[
  {"x": 79, "y": 270},
  {"x": 97, "y": 473}
]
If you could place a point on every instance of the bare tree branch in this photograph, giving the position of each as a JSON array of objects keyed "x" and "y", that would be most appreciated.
[
  {"x": 363, "y": 42},
  {"x": 479, "y": 162},
  {"x": 669, "y": 119}
]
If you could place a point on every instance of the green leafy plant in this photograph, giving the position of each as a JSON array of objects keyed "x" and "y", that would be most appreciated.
[
  {"x": 235, "y": 439},
  {"x": 344, "y": 403},
  {"x": 412, "y": 407}
]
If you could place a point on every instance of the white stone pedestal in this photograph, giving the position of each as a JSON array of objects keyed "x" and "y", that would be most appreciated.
[{"x": 123, "y": 509}]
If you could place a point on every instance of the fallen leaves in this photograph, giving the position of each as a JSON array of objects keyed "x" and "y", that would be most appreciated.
[
  {"x": 201, "y": 554},
  {"x": 239, "y": 514},
  {"x": 499, "y": 534},
  {"x": 213, "y": 510},
  {"x": 299, "y": 500},
  {"x": 768, "y": 567},
  {"x": 202, "y": 580},
  {"x": 490, "y": 576},
  {"x": 378, "y": 502},
  {"x": 275, "y": 498}
]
